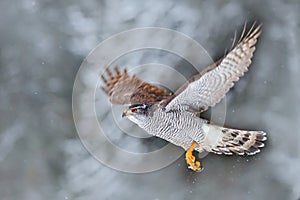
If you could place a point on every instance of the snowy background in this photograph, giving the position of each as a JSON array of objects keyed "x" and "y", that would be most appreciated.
[{"x": 42, "y": 44}]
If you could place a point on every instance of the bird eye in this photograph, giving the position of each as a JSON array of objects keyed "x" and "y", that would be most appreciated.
[{"x": 133, "y": 110}]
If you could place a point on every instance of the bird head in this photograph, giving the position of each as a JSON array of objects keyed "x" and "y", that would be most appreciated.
[{"x": 137, "y": 113}]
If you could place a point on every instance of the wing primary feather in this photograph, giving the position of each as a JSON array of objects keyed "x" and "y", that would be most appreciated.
[
  {"x": 209, "y": 86},
  {"x": 125, "y": 72},
  {"x": 109, "y": 73},
  {"x": 225, "y": 52},
  {"x": 243, "y": 32},
  {"x": 104, "y": 79},
  {"x": 118, "y": 73},
  {"x": 124, "y": 89},
  {"x": 250, "y": 31}
]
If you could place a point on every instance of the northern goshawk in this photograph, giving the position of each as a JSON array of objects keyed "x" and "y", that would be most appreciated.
[{"x": 174, "y": 118}]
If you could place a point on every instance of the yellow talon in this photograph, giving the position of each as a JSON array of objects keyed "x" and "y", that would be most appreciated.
[{"x": 190, "y": 159}]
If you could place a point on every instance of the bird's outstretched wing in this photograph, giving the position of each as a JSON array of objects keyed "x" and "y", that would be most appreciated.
[
  {"x": 209, "y": 86},
  {"x": 125, "y": 89}
]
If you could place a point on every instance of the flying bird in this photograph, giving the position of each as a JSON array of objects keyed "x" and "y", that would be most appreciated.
[{"x": 174, "y": 116}]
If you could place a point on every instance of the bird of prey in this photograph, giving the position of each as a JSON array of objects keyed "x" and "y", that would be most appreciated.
[{"x": 174, "y": 117}]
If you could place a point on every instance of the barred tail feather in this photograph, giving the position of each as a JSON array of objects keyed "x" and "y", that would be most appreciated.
[{"x": 228, "y": 141}]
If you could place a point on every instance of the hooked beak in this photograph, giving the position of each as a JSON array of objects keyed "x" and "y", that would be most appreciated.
[{"x": 124, "y": 114}]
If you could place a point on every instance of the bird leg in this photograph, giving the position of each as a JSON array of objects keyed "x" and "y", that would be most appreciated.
[{"x": 191, "y": 160}]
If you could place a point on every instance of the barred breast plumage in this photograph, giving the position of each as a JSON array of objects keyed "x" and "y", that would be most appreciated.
[{"x": 178, "y": 127}]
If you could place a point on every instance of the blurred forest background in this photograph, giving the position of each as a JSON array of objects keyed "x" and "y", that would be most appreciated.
[{"x": 42, "y": 44}]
